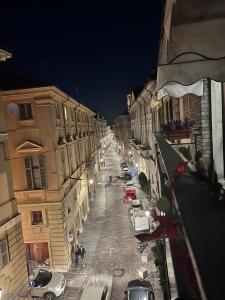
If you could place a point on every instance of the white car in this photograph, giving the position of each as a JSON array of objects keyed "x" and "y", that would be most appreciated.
[
  {"x": 129, "y": 185},
  {"x": 139, "y": 220},
  {"x": 98, "y": 287},
  {"x": 48, "y": 285}
]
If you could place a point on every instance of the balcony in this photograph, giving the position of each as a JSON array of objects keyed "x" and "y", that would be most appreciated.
[
  {"x": 203, "y": 224},
  {"x": 90, "y": 164},
  {"x": 177, "y": 134}
]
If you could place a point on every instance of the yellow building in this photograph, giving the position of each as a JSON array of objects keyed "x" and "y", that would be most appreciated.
[
  {"x": 53, "y": 151},
  {"x": 13, "y": 269}
]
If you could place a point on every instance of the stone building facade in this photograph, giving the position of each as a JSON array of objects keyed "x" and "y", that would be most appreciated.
[
  {"x": 143, "y": 142},
  {"x": 53, "y": 146},
  {"x": 13, "y": 269},
  {"x": 122, "y": 132}
]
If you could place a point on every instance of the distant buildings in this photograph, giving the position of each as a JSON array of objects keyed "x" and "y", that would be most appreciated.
[
  {"x": 53, "y": 148},
  {"x": 122, "y": 131}
]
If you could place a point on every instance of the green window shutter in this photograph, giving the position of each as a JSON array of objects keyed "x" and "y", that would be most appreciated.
[
  {"x": 29, "y": 176},
  {"x": 42, "y": 172}
]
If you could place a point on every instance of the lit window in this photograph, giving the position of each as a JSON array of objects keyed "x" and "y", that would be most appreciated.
[
  {"x": 25, "y": 111},
  {"x": 4, "y": 253},
  {"x": 36, "y": 217},
  {"x": 65, "y": 113}
]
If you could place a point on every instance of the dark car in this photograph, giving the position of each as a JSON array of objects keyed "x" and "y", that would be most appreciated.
[
  {"x": 139, "y": 290},
  {"x": 123, "y": 164}
]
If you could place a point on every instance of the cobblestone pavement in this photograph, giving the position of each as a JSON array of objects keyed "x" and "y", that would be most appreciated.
[{"x": 109, "y": 239}]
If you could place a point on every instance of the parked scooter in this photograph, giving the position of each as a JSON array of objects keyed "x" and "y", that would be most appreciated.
[{"x": 141, "y": 246}]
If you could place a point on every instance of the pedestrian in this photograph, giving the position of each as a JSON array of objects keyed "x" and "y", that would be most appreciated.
[
  {"x": 77, "y": 253},
  {"x": 110, "y": 178},
  {"x": 82, "y": 252}
]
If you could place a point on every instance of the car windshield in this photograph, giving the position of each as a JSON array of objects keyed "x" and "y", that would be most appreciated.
[
  {"x": 43, "y": 278},
  {"x": 138, "y": 295}
]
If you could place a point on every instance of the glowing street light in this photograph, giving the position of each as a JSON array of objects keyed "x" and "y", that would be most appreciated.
[
  {"x": 129, "y": 152},
  {"x": 136, "y": 165},
  {"x": 91, "y": 181}
]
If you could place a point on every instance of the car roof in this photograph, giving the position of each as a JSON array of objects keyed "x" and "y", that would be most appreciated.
[
  {"x": 139, "y": 283},
  {"x": 92, "y": 292}
]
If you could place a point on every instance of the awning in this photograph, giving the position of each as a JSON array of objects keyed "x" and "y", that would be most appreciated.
[
  {"x": 177, "y": 90},
  {"x": 193, "y": 45}
]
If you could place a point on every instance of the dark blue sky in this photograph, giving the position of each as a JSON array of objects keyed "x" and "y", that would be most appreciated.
[{"x": 94, "y": 52}]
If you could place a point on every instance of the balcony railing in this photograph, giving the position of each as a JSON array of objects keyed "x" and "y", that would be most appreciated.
[
  {"x": 177, "y": 134},
  {"x": 202, "y": 222}
]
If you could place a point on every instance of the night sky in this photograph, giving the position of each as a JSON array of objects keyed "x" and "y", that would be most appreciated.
[{"x": 94, "y": 53}]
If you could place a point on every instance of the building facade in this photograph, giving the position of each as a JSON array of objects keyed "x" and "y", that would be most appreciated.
[
  {"x": 122, "y": 133},
  {"x": 53, "y": 146},
  {"x": 13, "y": 269},
  {"x": 143, "y": 142}
]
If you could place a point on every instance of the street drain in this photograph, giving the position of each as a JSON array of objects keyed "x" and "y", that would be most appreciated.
[{"x": 118, "y": 272}]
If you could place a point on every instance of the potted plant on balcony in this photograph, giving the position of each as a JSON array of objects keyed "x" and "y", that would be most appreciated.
[{"x": 177, "y": 129}]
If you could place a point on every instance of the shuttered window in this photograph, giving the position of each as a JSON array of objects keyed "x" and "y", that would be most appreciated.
[
  {"x": 37, "y": 217},
  {"x": 25, "y": 111},
  {"x": 4, "y": 253},
  {"x": 35, "y": 172}
]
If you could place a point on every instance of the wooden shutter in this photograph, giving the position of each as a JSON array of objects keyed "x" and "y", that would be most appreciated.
[
  {"x": 29, "y": 175},
  {"x": 42, "y": 172}
]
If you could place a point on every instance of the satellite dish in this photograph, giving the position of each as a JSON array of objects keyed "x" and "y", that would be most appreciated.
[{"x": 13, "y": 108}]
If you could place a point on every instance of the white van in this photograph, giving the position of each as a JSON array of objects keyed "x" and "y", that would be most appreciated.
[
  {"x": 98, "y": 287},
  {"x": 139, "y": 220}
]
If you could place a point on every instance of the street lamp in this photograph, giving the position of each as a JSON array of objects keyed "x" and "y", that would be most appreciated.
[
  {"x": 91, "y": 181},
  {"x": 130, "y": 152},
  {"x": 136, "y": 165}
]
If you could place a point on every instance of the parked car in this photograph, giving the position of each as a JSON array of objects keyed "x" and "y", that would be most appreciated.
[
  {"x": 139, "y": 220},
  {"x": 139, "y": 290},
  {"x": 98, "y": 287},
  {"x": 130, "y": 195},
  {"x": 135, "y": 205},
  {"x": 48, "y": 285},
  {"x": 126, "y": 170},
  {"x": 123, "y": 164},
  {"x": 129, "y": 185}
]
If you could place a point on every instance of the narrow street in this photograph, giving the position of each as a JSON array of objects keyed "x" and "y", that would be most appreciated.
[{"x": 109, "y": 239}]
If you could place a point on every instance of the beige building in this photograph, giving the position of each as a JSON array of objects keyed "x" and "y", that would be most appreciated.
[
  {"x": 54, "y": 158},
  {"x": 143, "y": 140},
  {"x": 13, "y": 270}
]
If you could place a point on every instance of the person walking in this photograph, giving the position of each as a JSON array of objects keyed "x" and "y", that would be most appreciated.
[
  {"x": 77, "y": 253},
  {"x": 82, "y": 253}
]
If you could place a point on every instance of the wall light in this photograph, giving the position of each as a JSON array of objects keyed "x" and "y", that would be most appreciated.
[{"x": 91, "y": 181}]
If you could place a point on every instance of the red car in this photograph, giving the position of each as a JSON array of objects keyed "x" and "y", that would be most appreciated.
[{"x": 130, "y": 195}]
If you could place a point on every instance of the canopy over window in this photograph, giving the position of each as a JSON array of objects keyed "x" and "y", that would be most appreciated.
[{"x": 192, "y": 43}]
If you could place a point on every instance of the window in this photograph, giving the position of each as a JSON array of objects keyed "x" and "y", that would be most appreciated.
[
  {"x": 57, "y": 109},
  {"x": 36, "y": 217},
  {"x": 62, "y": 160},
  {"x": 65, "y": 113},
  {"x": 4, "y": 253},
  {"x": 35, "y": 173},
  {"x": 25, "y": 111}
]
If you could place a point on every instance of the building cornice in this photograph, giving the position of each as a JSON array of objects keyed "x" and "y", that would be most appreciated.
[{"x": 9, "y": 224}]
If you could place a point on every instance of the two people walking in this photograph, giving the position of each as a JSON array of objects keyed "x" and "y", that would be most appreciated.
[{"x": 78, "y": 252}]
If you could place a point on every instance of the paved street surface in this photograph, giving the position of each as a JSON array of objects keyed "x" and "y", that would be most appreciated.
[{"x": 109, "y": 239}]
